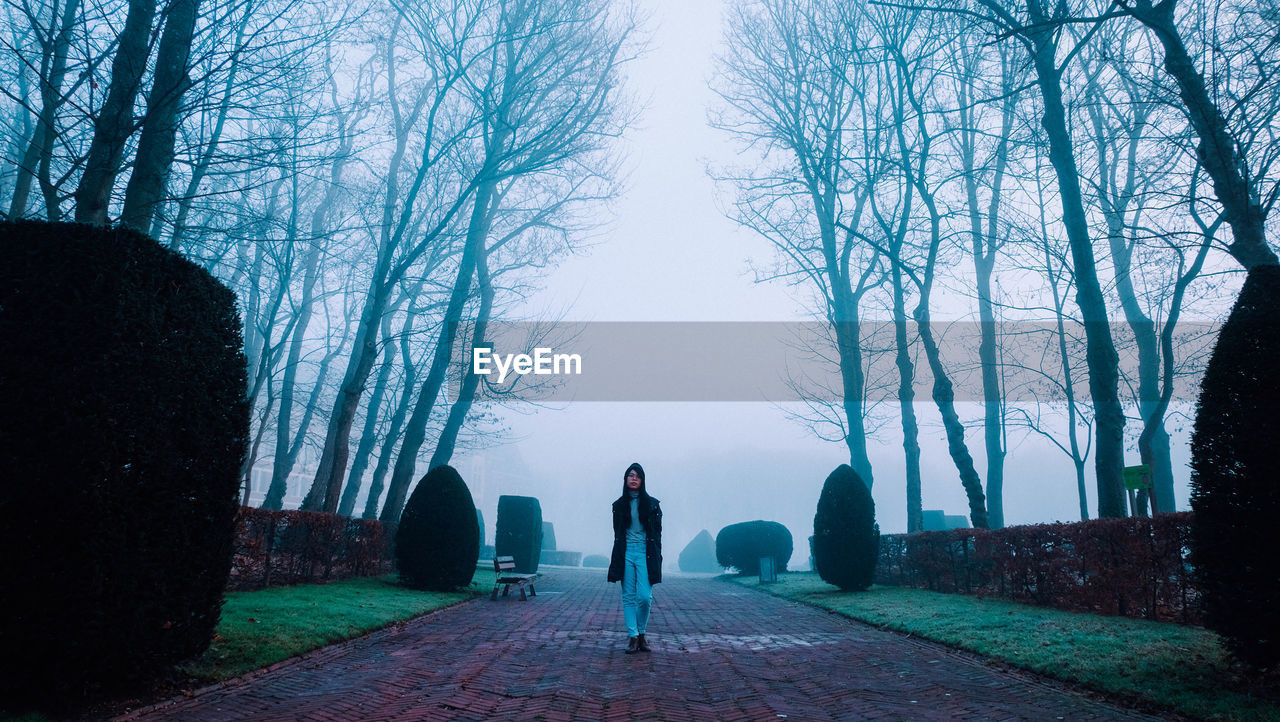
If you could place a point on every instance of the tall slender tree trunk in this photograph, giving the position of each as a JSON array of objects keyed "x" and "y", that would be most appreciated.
[
  {"x": 287, "y": 453},
  {"x": 943, "y": 391},
  {"x": 392, "y": 440},
  {"x": 471, "y": 380},
  {"x": 331, "y": 470},
  {"x": 115, "y": 123},
  {"x": 944, "y": 397},
  {"x": 1068, "y": 382},
  {"x": 1144, "y": 332},
  {"x": 145, "y": 190},
  {"x": 1100, "y": 354},
  {"x": 53, "y": 70},
  {"x": 369, "y": 434},
  {"x": 844, "y": 322},
  {"x": 1115, "y": 198},
  {"x": 251, "y": 459},
  {"x": 282, "y": 464},
  {"x": 416, "y": 430},
  {"x": 906, "y": 405},
  {"x": 984, "y": 257}
]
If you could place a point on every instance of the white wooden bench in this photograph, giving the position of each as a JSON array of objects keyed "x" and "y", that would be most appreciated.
[{"x": 506, "y": 570}]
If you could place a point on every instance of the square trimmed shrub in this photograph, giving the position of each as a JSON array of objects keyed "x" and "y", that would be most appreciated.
[{"x": 519, "y": 532}]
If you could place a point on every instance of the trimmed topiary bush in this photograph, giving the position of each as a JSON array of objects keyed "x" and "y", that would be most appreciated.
[
  {"x": 1234, "y": 493},
  {"x": 846, "y": 538},
  {"x": 699, "y": 555},
  {"x": 519, "y": 531},
  {"x": 480, "y": 526},
  {"x": 740, "y": 546},
  {"x": 438, "y": 538},
  {"x": 123, "y": 427},
  {"x": 548, "y": 536},
  {"x": 596, "y": 561}
]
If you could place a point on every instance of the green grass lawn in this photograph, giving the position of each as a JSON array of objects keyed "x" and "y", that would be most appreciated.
[
  {"x": 1172, "y": 666},
  {"x": 264, "y": 627}
]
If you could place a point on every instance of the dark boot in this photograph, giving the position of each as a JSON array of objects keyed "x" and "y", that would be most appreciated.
[
  {"x": 633, "y": 645},
  {"x": 642, "y": 645}
]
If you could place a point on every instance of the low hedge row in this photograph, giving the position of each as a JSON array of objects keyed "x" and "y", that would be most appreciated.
[
  {"x": 276, "y": 548},
  {"x": 1133, "y": 567},
  {"x": 561, "y": 558}
]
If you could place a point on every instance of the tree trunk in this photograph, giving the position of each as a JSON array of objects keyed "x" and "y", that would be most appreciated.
[
  {"x": 369, "y": 434},
  {"x": 985, "y": 245},
  {"x": 1100, "y": 355},
  {"x": 331, "y": 470},
  {"x": 393, "y": 437},
  {"x": 53, "y": 70},
  {"x": 326, "y": 488},
  {"x": 115, "y": 122},
  {"x": 471, "y": 380},
  {"x": 284, "y": 460},
  {"x": 416, "y": 430},
  {"x": 154, "y": 158},
  {"x": 943, "y": 392},
  {"x": 906, "y": 405},
  {"x": 844, "y": 322},
  {"x": 944, "y": 396},
  {"x": 984, "y": 258},
  {"x": 251, "y": 459}
]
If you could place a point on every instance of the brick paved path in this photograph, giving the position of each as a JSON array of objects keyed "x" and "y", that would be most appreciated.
[{"x": 720, "y": 653}]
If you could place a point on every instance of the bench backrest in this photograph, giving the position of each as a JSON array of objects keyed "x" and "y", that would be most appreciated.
[{"x": 504, "y": 564}]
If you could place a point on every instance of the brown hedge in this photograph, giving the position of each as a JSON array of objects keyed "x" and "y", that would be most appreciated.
[
  {"x": 276, "y": 548},
  {"x": 1134, "y": 567}
]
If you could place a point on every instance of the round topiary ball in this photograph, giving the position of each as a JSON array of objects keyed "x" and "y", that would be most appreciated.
[
  {"x": 846, "y": 539},
  {"x": 438, "y": 538},
  {"x": 123, "y": 427},
  {"x": 740, "y": 546},
  {"x": 1233, "y": 475}
]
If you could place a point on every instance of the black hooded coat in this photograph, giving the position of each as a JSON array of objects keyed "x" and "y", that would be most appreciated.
[{"x": 651, "y": 519}]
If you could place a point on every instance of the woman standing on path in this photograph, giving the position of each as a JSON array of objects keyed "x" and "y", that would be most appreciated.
[{"x": 637, "y": 554}]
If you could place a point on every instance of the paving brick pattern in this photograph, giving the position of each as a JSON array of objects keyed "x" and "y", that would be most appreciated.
[{"x": 721, "y": 652}]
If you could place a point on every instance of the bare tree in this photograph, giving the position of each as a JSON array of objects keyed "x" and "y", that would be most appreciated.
[
  {"x": 785, "y": 83},
  {"x": 439, "y": 121},
  {"x": 1038, "y": 29},
  {"x": 55, "y": 47},
  {"x": 1223, "y": 146},
  {"x": 549, "y": 94},
  {"x": 985, "y": 171},
  {"x": 912, "y": 78}
]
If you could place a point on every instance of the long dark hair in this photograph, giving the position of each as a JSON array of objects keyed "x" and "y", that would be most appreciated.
[{"x": 625, "y": 500}]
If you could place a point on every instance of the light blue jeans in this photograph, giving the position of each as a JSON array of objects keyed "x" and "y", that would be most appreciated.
[{"x": 637, "y": 595}]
